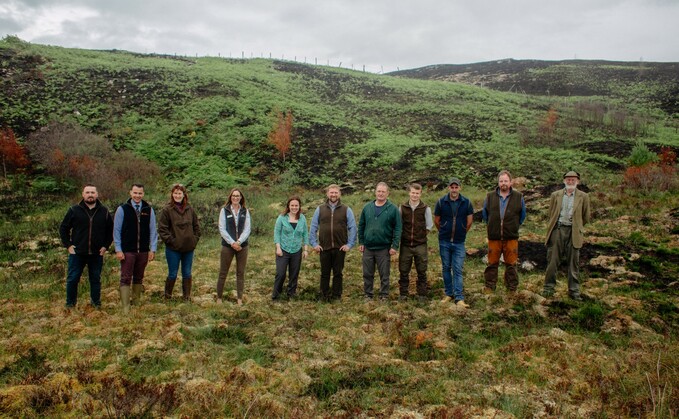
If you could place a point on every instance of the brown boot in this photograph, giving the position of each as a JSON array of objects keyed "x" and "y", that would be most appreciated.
[
  {"x": 186, "y": 288},
  {"x": 169, "y": 286}
]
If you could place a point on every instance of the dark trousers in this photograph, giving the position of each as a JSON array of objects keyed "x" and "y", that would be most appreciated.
[
  {"x": 76, "y": 266},
  {"x": 382, "y": 259},
  {"x": 408, "y": 255},
  {"x": 291, "y": 262},
  {"x": 332, "y": 260},
  {"x": 560, "y": 247},
  {"x": 132, "y": 268},
  {"x": 225, "y": 260}
]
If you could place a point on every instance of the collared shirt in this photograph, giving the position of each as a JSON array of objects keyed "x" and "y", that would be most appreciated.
[
  {"x": 503, "y": 207},
  {"x": 246, "y": 228},
  {"x": 118, "y": 227},
  {"x": 566, "y": 214}
]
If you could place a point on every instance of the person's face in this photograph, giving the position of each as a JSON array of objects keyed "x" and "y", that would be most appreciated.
[
  {"x": 381, "y": 193},
  {"x": 415, "y": 194},
  {"x": 137, "y": 194},
  {"x": 90, "y": 194},
  {"x": 454, "y": 189},
  {"x": 334, "y": 195},
  {"x": 178, "y": 195},
  {"x": 294, "y": 207},
  {"x": 236, "y": 198},
  {"x": 504, "y": 183},
  {"x": 570, "y": 182}
]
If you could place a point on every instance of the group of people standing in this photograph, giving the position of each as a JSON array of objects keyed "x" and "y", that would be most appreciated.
[
  {"x": 384, "y": 230},
  {"x": 88, "y": 230}
]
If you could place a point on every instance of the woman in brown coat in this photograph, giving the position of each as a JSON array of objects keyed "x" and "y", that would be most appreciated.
[{"x": 179, "y": 229}]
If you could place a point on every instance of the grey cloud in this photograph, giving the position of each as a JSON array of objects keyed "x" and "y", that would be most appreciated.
[{"x": 375, "y": 33}]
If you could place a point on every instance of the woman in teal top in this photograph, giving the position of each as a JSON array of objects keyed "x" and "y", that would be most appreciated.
[{"x": 291, "y": 238}]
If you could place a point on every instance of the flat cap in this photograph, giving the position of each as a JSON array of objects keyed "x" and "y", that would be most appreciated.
[
  {"x": 572, "y": 173},
  {"x": 455, "y": 181}
]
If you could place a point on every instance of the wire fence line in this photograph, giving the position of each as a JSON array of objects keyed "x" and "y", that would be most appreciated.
[{"x": 366, "y": 68}]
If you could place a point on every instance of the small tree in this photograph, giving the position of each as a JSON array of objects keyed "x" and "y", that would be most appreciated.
[
  {"x": 12, "y": 153},
  {"x": 641, "y": 155},
  {"x": 281, "y": 133},
  {"x": 548, "y": 126}
]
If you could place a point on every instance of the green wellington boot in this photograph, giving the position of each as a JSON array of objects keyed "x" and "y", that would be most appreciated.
[
  {"x": 125, "y": 298},
  {"x": 136, "y": 294}
]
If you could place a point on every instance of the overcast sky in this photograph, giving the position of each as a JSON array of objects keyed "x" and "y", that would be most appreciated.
[{"x": 378, "y": 34}]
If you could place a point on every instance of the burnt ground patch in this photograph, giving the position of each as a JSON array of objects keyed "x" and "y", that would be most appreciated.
[
  {"x": 333, "y": 85},
  {"x": 536, "y": 253},
  {"x": 615, "y": 148},
  {"x": 145, "y": 90},
  {"x": 320, "y": 149}
]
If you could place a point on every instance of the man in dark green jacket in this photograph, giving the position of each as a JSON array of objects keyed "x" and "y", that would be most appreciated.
[{"x": 379, "y": 233}]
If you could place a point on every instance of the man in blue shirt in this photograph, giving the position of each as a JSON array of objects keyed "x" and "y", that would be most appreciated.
[
  {"x": 504, "y": 210},
  {"x": 135, "y": 238},
  {"x": 335, "y": 226}
]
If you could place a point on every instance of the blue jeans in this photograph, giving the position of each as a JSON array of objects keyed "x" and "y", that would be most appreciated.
[
  {"x": 452, "y": 260},
  {"x": 76, "y": 265},
  {"x": 174, "y": 258}
]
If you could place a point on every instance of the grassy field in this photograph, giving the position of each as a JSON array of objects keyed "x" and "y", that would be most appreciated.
[{"x": 615, "y": 354}]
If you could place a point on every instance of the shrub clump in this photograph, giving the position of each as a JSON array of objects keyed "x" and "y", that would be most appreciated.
[{"x": 649, "y": 172}]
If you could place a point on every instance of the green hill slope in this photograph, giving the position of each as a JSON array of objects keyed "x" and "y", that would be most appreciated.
[{"x": 205, "y": 121}]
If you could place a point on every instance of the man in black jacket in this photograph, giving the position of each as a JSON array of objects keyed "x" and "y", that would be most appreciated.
[{"x": 87, "y": 232}]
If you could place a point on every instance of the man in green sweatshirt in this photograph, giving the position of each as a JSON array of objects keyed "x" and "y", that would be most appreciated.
[{"x": 379, "y": 233}]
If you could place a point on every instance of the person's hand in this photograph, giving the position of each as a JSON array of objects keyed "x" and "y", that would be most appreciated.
[
  {"x": 120, "y": 255},
  {"x": 236, "y": 246},
  {"x": 152, "y": 255},
  {"x": 361, "y": 248},
  {"x": 102, "y": 251},
  {"x": 279, "y": 252},
  {"x": 392, "y": 251},
  {"x": 345, "y": 248},
  {"x": 71, "y": 249},
  {"x": 318, "y": 248},
  {"x": 305, "y": 253}
]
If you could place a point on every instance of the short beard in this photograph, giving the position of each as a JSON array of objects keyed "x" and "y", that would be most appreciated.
[{"x": 570, "y": 188}]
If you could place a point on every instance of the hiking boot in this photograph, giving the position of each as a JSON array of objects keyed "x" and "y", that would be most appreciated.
[
  {"x": 487, "y": 291},
  {"x": 461, "y": 304},
  {"x": 447, "y": 299}
]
